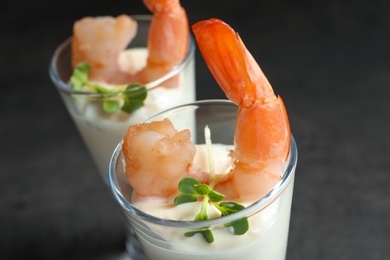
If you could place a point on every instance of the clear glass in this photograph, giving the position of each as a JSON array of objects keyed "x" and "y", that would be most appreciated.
[
  {"x": 101, "y": 131},
  {"x": 164, "y": 239}
]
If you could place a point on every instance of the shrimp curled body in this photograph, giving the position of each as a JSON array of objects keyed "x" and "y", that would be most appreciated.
[{"x": 262, "y": 137}]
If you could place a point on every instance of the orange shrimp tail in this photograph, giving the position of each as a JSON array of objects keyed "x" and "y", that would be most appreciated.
[
  {"x": 157, "y": 6},
  {"x": 215, "y": 40},
  {"x": 231, "y": 64},
  {"x": 168, "y": 41},
  {"x": 262, "y": 129}
]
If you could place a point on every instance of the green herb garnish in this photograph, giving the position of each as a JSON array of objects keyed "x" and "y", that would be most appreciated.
[
  {"x": 191, "y": 190},
  {"x": 133, "y": 95}
]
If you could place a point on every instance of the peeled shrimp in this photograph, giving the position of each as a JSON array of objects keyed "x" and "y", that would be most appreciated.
[
  {"x": 100, "y": 41},
  {"x": 262, "y": 137},
  {"x": 158, "y": 157}
]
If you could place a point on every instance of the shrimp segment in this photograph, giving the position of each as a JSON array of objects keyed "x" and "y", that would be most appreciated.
[
  {"x": 168, "y": 38},
  {"x": 262, "y": 137},
  {"x": 99, "y": 41},
  {"x": 158, "y": 157}
]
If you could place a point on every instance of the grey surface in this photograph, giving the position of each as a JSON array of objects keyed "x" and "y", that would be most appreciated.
[{"x": 330, "y": 61}]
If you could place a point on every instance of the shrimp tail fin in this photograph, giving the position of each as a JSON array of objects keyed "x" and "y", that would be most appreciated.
[{"x": 230, "y": 62}]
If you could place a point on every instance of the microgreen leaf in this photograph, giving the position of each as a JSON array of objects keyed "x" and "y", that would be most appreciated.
[
  {"x": 110, "y": 106},
  {"x": 79, "y": 77},
  {"x": 240, "y": 226},
  {"x": 112, "y": 90},
  {"x": 184, "y": 198},
  {"x": 133, "y": 95},
  {"x": 227, "y": 208},
  {"x": 106, "y": 91},
  {"x": 187, "y": 191},
  {"x": 202, "y": 189},
  {"x": 190, "y": 189},
  {"x": 207, "y": 234},
  {"x": 134, "y": 99},
  {"x": 187, "y": 184},
  {"x": 215, "y": 196}
]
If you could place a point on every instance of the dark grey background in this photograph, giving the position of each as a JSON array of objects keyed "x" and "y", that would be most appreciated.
[{"x": 329, "y": 60}]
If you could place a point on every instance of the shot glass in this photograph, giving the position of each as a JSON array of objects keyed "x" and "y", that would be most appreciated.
[
  {"x": 101, "y": 130},
  {"x": 268, "y": 217}
]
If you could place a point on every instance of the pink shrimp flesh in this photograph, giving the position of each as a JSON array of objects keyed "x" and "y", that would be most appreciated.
[
  {"x": 157, "y": 158},
  {"x": 99, "y": 41}
]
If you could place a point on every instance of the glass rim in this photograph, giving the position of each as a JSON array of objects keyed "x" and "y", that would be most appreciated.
[
  {"x": 63, "y": 86},
  {"x": 247, "y": 211}
]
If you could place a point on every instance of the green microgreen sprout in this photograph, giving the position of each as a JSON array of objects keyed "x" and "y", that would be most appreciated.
[
  {"x": 133, "y": 95},
  {"x": 191, "y": 190}
]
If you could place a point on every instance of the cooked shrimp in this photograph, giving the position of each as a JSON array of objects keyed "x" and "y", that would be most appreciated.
[
  {"x": 99, "y": 41},
  {"x": 168, "y": 38},
  {"x": 262, "y": 137},
  {"x": 157, "y": 157}
]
